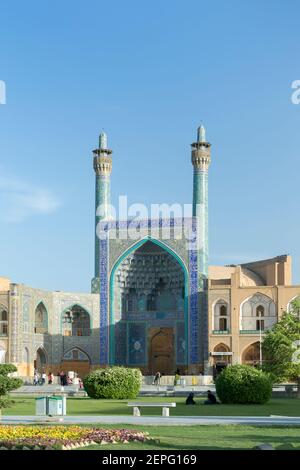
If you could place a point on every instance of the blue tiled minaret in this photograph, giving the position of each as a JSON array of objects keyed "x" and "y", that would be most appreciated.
[
  {"x": 201, "y": 162},
  {"x": 102, "y": 164}
]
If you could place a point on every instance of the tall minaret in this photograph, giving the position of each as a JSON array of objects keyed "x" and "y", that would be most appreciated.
[
  {"x": 201, "y": 161},
  {"x": 102, "y": 164}
]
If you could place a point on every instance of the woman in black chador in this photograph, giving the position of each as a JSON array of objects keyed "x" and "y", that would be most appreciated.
[{"x": 190, "y": 399}]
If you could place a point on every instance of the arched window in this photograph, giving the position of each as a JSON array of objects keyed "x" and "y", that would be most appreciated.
[
  {"x": 257, "y": 313},
  {"x": 3, "y": 315},
  {"x": 3, "y": 322},
  {"x": 76, "y": 322},
  {"x": 260, "y": 311},
  {"x": 41, "y": 319},
  {"x": 223, "y": 310},
  {"x": 221, "y": 320}
]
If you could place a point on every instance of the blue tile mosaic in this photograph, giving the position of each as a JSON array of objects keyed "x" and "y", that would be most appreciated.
[{"x": 192, "y": 343}]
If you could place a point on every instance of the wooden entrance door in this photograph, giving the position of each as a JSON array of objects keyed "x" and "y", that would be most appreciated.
[
  {"x": 82, "y": 368},
  {"x": 161, "y": 351}
]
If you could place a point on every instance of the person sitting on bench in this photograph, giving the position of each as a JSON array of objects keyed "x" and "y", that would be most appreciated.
[
  {"x": 190, "y": 399},
  {"x": 211, "y": 399}
]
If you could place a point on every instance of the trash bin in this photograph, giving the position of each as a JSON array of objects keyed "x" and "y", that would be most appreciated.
[
  {"x": 55, "y": 406},
  {"x": 41, "y": 406}
]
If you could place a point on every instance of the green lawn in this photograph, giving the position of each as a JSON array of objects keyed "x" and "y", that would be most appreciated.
[
  {"x": 88, "y": 406},
  {"x": 235, "y": 437}
]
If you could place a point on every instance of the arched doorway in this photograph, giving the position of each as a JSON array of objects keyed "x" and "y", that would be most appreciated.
[
  {"x": 40, "y": 362},
  {"x": 76, "y": 360},
  {"x": 161, "y": 351},
  {"x": 148, "y": 295},
  {"x": 221, "y": 358},
  {"x": 251, "y": 354}
]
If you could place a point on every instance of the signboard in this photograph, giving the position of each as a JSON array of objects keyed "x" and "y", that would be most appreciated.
[{"x": 224, "y": 353}]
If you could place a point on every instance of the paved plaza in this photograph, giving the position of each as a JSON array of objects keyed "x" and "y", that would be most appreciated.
[{"x": 158, "y": 420}]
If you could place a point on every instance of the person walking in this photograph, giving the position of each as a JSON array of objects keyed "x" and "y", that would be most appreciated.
[
  {"x": 50, "y": 378},
  {"x": 61, "y": 377},
  {"x": 157, "y": 378},
  {"x": 65, "y": 380},
  {"x": 44, "y": 376},
  {"x": 35, "y": 378}
]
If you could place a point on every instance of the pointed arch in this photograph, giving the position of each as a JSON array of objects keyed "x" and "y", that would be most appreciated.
[
  {"x": 112, "y": 273},
  {"x": 141, "y": 242},
  {"x": 70, "y": 356},
  {"x": 3, "y": 320},
  {"x": 254, "y": 306},
  {"x": 221, "y": 347},
  {"x": 76, "y": 321},
  {"x": 41, "y": 358},
  {"x": 40, "y": 319},
  {"x": 220, "y": 315},
  {"x": 290, "y": 303},
  {"x": 251, "y": 354}
]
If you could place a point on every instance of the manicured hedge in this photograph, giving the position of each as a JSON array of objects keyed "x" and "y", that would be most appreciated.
[
  {"x": 243, "y": 384},
  {"x": 113, "y": 382}
]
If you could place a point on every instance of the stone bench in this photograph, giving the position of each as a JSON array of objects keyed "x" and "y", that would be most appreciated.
[{"x": 137, "y": 405}]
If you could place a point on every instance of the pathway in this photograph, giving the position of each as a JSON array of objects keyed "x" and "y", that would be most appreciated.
[{"x": 157, "y": 420}]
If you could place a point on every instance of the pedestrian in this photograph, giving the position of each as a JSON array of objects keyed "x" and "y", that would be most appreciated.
[
  {"x": 50, "y": 378},
  {"x": 157, "y": 378},
  {"x": 35, "y": 378},
  {"x": 176, "y": 379},
  {"x": 44, "y": 376},
  {"x": 61, "y": 377}
]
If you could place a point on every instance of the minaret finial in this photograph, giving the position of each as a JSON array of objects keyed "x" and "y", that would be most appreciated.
[
  {"x": 103, "y": 141},
  {"x": 201, "y": 134}
]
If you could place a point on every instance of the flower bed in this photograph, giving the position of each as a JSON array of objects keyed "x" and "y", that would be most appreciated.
[{"x": 63, "y": 437}]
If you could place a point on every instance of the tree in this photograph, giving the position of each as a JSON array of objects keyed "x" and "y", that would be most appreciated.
[
  {"x": 7, "y": 384},
  {"x": 281, "y": 346}
]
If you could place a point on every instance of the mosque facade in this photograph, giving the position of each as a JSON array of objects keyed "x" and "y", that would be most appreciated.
[{"x": 155, "y": 302}]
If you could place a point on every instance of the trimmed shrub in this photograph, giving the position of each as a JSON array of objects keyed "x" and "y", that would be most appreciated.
[
  {"x": 113, "y": 382},
  {"x": 243, "y": 384}
]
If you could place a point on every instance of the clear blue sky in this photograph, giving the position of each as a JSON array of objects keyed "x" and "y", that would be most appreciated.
[{"x": 146, "y": 72}]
